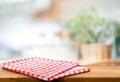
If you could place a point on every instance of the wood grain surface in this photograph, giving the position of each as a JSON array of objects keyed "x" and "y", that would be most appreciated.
[{"x": 97, "y": 74}]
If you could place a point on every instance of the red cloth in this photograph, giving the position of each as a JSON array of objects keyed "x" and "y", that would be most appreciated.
[{"x": 44, "y": 69}]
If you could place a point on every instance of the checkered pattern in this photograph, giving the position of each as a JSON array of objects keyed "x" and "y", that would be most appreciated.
[{"x": 44, "y": 69}]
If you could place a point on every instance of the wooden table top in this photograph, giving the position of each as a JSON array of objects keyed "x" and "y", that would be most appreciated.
[{"x": 99, "y": 74}]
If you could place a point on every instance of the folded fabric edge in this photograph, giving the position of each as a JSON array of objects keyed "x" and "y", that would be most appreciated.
[{"x": 73, "y": 71}]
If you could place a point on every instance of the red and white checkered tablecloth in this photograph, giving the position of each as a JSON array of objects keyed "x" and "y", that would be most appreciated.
[{"x": 44, "y": 69}]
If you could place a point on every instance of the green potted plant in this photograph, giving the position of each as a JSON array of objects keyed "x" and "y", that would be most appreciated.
[{"x": 91, "y": 31}]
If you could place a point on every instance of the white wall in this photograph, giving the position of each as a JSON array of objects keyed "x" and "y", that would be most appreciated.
[{"x": 109, "y": 8}]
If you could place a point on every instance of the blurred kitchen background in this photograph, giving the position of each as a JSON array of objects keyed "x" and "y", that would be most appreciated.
[{"x": 39, "y": 28}]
